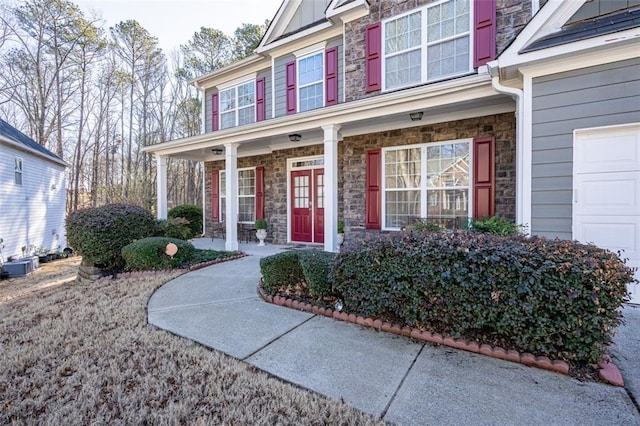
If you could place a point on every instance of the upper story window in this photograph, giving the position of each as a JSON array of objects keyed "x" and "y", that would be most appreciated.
[
  {"x": 237, "y": 105},
  {"x": 428, "y": 44},
  {"x": 18, "y": 171},
  {"x": 310, "y": 82}
]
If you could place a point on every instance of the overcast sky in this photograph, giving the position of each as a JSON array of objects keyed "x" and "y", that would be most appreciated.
[{"x": 173, "y": 22}]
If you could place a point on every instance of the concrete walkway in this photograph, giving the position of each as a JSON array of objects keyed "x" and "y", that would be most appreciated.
[{"x": 391, "y": 377}]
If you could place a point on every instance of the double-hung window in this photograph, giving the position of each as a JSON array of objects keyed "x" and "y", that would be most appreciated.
[
  {"x": 311, "y": 82},
  {"x": 429, "y": 44},
  {"x": 246, "y": 195},
  {"x": 238, "y": 105},
  {"x": 18, "y": 171},
  {"x": 426, "y": 181}
]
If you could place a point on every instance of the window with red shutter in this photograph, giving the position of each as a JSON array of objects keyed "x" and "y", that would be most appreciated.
[
  {"x": 215, "y": 196},
  {"x": 373, "y": 201},
  {"x": 484, "y": 24},
  {"x": 373, "y": 57},
  {"x": 483, "y": 177},
  {"x": 331, "y": 76},
  {"x": 215, "y": 116},
  {"x": 292, "y": 107},
  {"x": 260, "y": 99}
]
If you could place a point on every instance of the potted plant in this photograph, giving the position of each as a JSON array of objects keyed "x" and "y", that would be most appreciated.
[
  {"x": 261, "y": 231},
  {"x": 340, "y": 232}
]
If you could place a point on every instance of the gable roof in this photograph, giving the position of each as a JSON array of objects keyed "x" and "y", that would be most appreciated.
[
  {"x": 601, "y": 25},
  {"x": 14, "y": 136}
]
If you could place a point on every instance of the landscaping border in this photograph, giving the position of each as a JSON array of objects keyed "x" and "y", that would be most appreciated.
[{"x": 608, "y": 371}]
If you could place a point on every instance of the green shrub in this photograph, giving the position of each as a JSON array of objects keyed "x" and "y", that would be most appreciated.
[
  {"x": 191, "y": 213},
  {"x": 260, "y": 224},
  {"x": 201, "y": 256},
  {"x": 548, "y": 297},
  {"x": 316, "y": 266},
  {"x": 281, "y": 271},
  {"x": 495, "y": 225},
  {"x": 150, "y": 254},
  {"x": 174, "y": 228},
  {"x": 98, "y": 234},
  {"x": 340, "y": 227},
  {"x": 423, "y": 224}
]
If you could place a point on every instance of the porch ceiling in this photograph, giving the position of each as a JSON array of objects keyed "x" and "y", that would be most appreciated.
[{"x": 384, "y": 112}]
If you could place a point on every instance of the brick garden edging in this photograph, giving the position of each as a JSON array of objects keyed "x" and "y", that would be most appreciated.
[{"x": 608, "y": 372}]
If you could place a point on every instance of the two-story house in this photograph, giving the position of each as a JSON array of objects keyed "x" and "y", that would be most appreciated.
[{"x": 379, "y": 112}]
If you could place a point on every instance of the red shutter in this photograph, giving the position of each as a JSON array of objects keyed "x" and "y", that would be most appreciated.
[
  {"x": 259, "y": 192},
  {"x": 373, "y": 57},
  {"x": 483, "y": 177},
  {"x": 331, "y": 76},
  {"x": 292, "y": 106},
  {"x": 214, "y": 113},
  {"x": 484, "y": 24},
  {"x": 373, "y": 200},
  {"x": 260, "y": 111},
  {"x": 215, "y": 196}
]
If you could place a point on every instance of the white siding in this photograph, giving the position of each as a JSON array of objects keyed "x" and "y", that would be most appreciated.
[{"x": 29, "y": 214}]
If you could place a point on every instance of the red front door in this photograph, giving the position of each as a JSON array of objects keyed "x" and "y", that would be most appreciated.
[{"x": 307, "y": 206}]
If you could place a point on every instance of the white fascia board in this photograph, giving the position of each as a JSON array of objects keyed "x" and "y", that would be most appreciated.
[
  {"x": 348, "y": 12},
  {"x": 549, "y": 19},
  {"x": 283, "y": 16},
  {"x": 422, "y": 97},
  {"x": 583, "y": 54},
  {"x": 301, "y": 39},
  {"x": 21, "y": 147},
  {"x": 253, "y": 63}
]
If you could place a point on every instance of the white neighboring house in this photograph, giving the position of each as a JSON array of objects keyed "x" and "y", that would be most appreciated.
[{"x": 32, "y": 195}]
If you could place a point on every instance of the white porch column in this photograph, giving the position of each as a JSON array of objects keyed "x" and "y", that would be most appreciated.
[
  {"x": 161, "y": 182},
  {"x": 231, "y": 195},
  {"x": 331, "y": 187}
]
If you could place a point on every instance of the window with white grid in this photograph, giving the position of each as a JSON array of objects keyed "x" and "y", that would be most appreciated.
[
  {"x": 246, "y": 195},
  {"x": 427, "y": 44},
  {"x": 237, "y": 105},
  {"x": 426, "y": 181},
  {"x": 310, "y": 82},
  {"x": 18, "y": 171}
]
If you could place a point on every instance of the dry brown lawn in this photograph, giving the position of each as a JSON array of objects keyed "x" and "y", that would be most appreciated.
[{"x": 85, "y": 354}]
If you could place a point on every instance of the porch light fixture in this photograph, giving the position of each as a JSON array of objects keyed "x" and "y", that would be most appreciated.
[
  {"x": 217, "y": 150},
  {"x": 295, "y": 137},
  {"x": 416, "y": 116}
]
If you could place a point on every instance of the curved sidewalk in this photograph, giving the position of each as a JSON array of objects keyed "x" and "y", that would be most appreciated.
[{"x": 392, "y": 377}]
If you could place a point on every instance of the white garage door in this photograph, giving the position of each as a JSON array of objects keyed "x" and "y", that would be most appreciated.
[{"x": 606, "y": 184}]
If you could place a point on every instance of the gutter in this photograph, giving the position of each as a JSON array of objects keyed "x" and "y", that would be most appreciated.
[{"x": 521, "y": 145}]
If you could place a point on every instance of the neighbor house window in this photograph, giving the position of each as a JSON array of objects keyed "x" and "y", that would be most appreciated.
[
  {"x": 429, "y": 44},
  {"x": 246, "y": 195},
  {"x": 237, "y": 105},
  {"x": 311, "y": 82},
  {"x": 426, "y": 181},
  {"x": 18, "y": 171}
]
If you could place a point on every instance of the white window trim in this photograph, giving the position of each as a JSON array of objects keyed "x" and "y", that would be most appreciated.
[
  {"x": 322, "y": 80},
  {"x": 310, "y": 50},
  {"x": 220, "y": 196},
  {"x": 237, "y": 108},
  {"x": 423, "y": 176},
  {"x": 423, "y": 48},
  {"x": 20, "y": 161},
  {"x": 238, "y": 81}
]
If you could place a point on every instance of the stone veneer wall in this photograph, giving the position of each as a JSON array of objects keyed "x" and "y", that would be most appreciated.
[
  {"x": 511, "y": 17},
  {"x": 351, "y": 170}
]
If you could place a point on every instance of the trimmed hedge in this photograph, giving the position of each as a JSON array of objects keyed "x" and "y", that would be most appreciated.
[
  {"x": 281, "y": 271},
  {"x": 191, "y": 213},
  {"x": 316, "y": 267},
  {"x": 174, "y": 228},
  {"x": 98, "y": 234},
  {"x": 495, "y": 225},
  {"x": 149, "y": 254},
  {"x": 548, "y": 297}
]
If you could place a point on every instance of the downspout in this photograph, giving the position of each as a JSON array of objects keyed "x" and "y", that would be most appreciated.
[{"x": 518, "y": 96}]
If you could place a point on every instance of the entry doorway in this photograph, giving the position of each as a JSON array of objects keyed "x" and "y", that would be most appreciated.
[{"x": 306, "y": 195}]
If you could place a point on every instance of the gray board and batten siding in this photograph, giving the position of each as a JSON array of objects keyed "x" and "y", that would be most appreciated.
[
  {"x": 603, "y": 95},
  {"x": 280, "y": 64}
]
